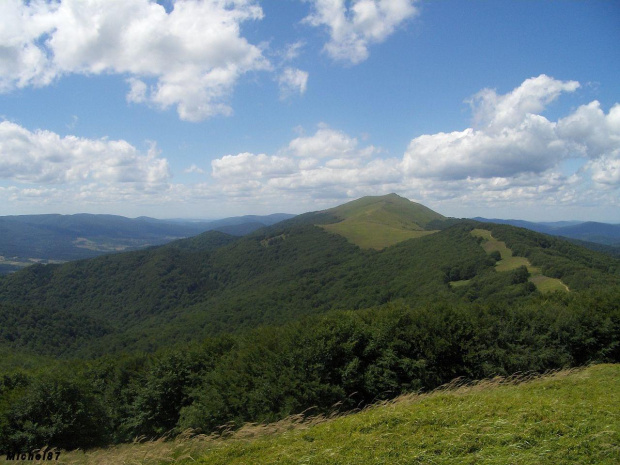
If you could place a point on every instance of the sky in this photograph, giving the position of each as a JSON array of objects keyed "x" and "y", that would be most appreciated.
[{"x": 217, "y": 108}]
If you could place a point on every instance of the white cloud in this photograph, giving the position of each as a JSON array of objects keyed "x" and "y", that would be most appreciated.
[
  {"x": 531, "y": 146},
  {"x": 596, "y": 134},
  {"x": 250, "y": 166},
  {"x": 511, "y": 137},
  {"x": 514, "y": 155},
  {"x": 292, "y": 81},
  {"x": 292, "y": 51},
  {"x": 46, "y": 158},
  {"x": 194, "y": 169},
  {"x": 190, "y": 58},
  {"x": 496, "y": 112},
  {"x": 329, "y": 164},
  {"x": 606, "y": 170},
  {"x": 352, "y": 28},
  {"x": 514, "y": 159},
  {"x": 328, "y": 143}
]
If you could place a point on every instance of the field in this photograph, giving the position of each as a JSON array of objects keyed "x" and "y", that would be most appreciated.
[{"x": 569, "y": 417}]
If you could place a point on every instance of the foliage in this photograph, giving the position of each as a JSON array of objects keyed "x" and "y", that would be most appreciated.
[{"x": 344, "y": 357}]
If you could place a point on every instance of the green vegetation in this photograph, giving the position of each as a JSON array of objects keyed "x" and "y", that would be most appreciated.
[
  {"x": 388, "y": 209},
  {"x": 564, "y": 417},
  {"x": 509, "y": 262},
  {"x": 371, "y": 235},
  {"x": 379, "y": 222},
  {"x": 347, "y": 358}
]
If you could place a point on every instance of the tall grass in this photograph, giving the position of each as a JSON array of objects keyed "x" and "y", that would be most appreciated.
[{"x": 566, "y": 417}]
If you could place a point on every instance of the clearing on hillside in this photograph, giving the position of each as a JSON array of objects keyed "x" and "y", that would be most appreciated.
[{"x": 509, "y": 262}]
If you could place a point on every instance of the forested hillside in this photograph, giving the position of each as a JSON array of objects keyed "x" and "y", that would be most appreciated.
[
  {"x": 216, "y": 283},
  {"x": 216, "y": 328}
]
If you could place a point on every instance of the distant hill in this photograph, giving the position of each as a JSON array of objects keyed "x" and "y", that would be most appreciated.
[
  {"x": 29, "y": 239},
  {"x": 590, "y": 231}
]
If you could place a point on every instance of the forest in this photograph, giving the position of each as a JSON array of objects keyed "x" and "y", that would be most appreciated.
[{"x": 340, "y": 360}]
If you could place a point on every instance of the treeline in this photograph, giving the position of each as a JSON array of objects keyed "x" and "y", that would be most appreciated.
[{"x": 344, "y": 358}]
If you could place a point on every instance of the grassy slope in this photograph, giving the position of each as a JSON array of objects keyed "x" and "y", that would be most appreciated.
[
  {"x": 372, "y": 235},
  {"x": 379, "y": 222},
  {"x": 510, "y": 262},
  {"x": 569, "y": 417}
]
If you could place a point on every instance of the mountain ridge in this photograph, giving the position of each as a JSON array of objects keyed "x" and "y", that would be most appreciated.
[
  {"x": 216, "y": 329},
  {"x": 215, "y": 283},
  {"x": 589, "y": 231}
]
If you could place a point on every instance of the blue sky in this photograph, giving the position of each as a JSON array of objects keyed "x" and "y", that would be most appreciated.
[{"x": 213, "y": 108}]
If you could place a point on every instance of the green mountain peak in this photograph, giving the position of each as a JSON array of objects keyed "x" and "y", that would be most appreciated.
[{"x": 380, "y": 221}]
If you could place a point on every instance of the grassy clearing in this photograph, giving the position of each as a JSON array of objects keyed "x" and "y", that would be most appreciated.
[
  {"x": 546, "y": 284},
  {"x": 371, "y": 235},
  {"x": 570, "y": 417},
  {"x": 512, "y": 263},
  {"x": 461, "y": 283},
  {"x": 509, "y": 262}
]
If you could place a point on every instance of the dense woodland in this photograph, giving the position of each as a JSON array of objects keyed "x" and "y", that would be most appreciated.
[{"x": 217, "y": 330}]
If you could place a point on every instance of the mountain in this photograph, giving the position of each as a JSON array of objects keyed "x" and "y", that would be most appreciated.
[
  {"x": 379, "y": 222},
  {"x": 29, "y": 239}
]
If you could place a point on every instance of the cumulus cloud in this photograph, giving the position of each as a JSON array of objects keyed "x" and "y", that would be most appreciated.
[
  {"x": 352, "y": 28},
  {"x": 495, "y": 112},
  {"x": 292, "y": 81},
  {"x": 514, "y": 154},
  {"x": 511, "y": 136},
  {"x": 249, "y": 166},
  {"x": 329, "y": 159},
  {"x": 44, "y": 157},
  {"x": 190, "y": 57},
  {"x": 329, "y": 143}
]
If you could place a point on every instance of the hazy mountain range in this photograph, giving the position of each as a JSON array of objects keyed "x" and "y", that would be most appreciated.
[{"x": 28, "y": 239}]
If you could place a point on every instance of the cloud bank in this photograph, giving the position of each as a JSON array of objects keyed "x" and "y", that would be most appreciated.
[{"x": 512, "y": 155}]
